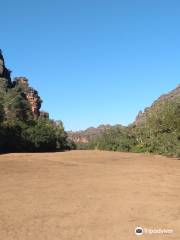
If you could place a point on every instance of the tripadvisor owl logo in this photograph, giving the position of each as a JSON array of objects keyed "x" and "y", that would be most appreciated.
[{"x": 139, "y": 231}]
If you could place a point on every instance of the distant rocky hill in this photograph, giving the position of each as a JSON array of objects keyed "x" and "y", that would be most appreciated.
[
  {"x": 89, "y": 134},
  {"x": 92, "y": 133},
  {"x": 173, "y": 95}
]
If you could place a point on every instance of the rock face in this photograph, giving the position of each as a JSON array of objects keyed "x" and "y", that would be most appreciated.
[
  {"x": 30, "y": 93},
  {"x": 92, "y": 133},
  {"x": 44, "y": 115},
  {"x": 4, "y": 72},
  {"x": 171, "y": 96},
  {"x": 21, "y": 84},
  {"x": 89, "y": 134}
]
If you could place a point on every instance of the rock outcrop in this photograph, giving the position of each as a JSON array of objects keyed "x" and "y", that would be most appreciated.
[
  {"x": 4, "y": 72},
  {"x": 30, "y": 93},
  {"x": 171, "y": 96},
  {"x": 44, "y": 115},
  {"x": 89, "y": 134},
  {"x": 20, "y": 84}
]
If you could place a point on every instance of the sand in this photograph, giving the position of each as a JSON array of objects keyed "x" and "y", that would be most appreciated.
[{"x": 88, "y": 195}]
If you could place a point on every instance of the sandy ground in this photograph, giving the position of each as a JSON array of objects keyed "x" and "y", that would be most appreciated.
[{"x": 88, "y": 195}]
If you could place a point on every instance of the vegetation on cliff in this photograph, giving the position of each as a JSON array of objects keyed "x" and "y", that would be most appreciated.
[
  {"x": 159, "y": 131},
  {"x": 156, "y": 130},
  {"x": 23, "y": 127}
]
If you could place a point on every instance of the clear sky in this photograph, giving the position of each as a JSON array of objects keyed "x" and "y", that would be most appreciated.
[{"x": 93, "y": 61}]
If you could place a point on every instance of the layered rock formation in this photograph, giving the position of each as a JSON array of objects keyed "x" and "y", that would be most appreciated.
[{"x": 22, "y": 85}]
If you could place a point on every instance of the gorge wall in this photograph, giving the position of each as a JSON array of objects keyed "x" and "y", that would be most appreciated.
[{"x": 21, "y": 84}]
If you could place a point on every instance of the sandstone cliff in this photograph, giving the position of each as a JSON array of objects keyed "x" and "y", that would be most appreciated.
[{"x": 21, "y": 85}]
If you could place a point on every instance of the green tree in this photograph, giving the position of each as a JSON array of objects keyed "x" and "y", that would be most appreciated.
[
  {"x": 41, "y": 137},
  {"x": 17, "y": 106},
  {"x": 160, "y": 132},
  {"x": 115, "y": 139}
]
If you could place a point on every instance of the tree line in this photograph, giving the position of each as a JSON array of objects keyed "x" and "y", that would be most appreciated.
[{"x": 21, "y": 131}]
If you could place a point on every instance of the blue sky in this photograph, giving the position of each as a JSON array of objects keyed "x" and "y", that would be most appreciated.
[{"x": 93, "y": 61}]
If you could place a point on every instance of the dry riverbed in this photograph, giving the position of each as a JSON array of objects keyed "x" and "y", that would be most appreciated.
[{"x": 88, "y": 195}]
